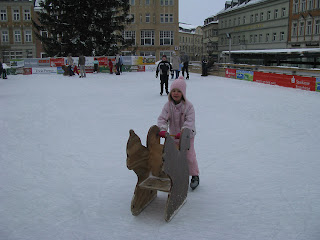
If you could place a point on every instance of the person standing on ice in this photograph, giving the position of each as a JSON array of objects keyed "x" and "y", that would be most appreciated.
[
  {"x": 175, "y": 61},
  {"x": 178, "y": 113},
  {"x": 185, "y": 64},
  {"x": 81, "y": 64},
  {"x": 70, "y": 64},
  {"x": 164, "y": 67}
]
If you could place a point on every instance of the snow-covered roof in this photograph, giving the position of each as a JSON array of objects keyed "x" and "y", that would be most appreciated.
[
  {"x": 187, "y": 26},
  {"x": 242, "y": 5},
  {"x": 273, "y": 51}
]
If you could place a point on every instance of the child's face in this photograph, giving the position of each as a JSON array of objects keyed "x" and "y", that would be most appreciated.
[
  {"x": 176, "y": 95},
  {"x": 164, "y": 58}
]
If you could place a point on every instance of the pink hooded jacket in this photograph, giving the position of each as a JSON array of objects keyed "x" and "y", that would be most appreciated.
[{"x": 176, "y": 117}]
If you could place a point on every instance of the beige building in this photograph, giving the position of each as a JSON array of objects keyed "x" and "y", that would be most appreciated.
[
  {"x": 155, "y": 28},
  {"x": 210, "y": 38},
  {"x": 17, "y": 39},
  {"x": 191, "y": 41}
]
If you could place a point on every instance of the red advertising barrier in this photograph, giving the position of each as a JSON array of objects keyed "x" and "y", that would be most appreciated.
[
  {"x": 103, "y": 61},
  {"x": 292, "y": 81},
  {"x": 56, "y": 62},
  {"x": 27, "y": 71},
  {"x": 231, "y": 73}
]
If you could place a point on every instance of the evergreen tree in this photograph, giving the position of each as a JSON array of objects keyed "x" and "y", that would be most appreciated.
[{"x": 83, "y": 26}]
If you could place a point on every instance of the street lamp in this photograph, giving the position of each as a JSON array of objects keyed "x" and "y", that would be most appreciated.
[{"x": 229, "y": 37}]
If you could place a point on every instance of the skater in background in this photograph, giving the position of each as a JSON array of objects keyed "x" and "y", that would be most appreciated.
[
  {"x": 110, "y": 66},
  {"x": 178, "y": 113},
  {"x": 70, "y": 64},
  {"x": 204, "y": 64},
  {"x": 118, "y": 63},
  {"x": 175, "y": 61},
  {"x": 81, "y": 64},
  {"x": 185, "y": 61},
  {"x": 95, "y": 65},
  {"x": 164, "y": 67}
]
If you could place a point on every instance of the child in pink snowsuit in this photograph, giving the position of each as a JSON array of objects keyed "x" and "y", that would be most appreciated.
[{"x": 178, "y": 113}]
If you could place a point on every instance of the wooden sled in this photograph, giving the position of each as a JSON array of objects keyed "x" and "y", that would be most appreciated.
[{"x": 159, "y": 168}]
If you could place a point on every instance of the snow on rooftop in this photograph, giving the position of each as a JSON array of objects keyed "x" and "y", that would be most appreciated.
[{"x": 244, "y": 4}]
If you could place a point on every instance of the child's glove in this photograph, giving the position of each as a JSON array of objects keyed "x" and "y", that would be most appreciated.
[
  {"x": 162, "y": 134},
  {"x": 177, "y": 136}
]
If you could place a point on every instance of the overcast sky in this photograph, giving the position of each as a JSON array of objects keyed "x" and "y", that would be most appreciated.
[{"x": 195, "y": 12}]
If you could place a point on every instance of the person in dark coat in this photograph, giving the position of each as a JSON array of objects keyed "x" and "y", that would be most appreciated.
[
  {"x": 185, "y": 61},
  {"x": 204, "y": 64},
  {"x": 165, "y": 68}
]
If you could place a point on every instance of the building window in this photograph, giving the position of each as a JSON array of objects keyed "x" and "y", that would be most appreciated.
[
  {"x": 239, "y": 20},
  {"x": 295, "y": 6},
  {"x": 274, "y": 37},
  {"x": 310, "y": 4},
  {"x": 147, "y": 54},
  {"x": 166, "y": 2},
  {"x": 255, "y": 38},
  {"x": 267, "y": 37},
  {"x": 268, "y": 15},
  {"x": 147, "y": 17},
  {"x": 132, "y": 2},
  {"x": 130, "y": 36},
  {"x": 317, "y": 26},
  {"x": 17, "y": 36},
  {"x": 244, "y": 19},
  {"x": 256, "y": 17},
  {"x": 317, "y": 3},
  {"x": 251, "y": 18},
  {"x": 309, "y": 27},
  {"x": 282, "y": 36},
  {"x": 147, "y": 2},
  {"x": 275, "y": 13},
  {"x": 261, "y": 16},
  {"x": 27, "y": 15},
  {"x": 3, "y": 15},
  {"x": 166, "y": 37},
  {"x": 147, "y": 37},
  {"x": 301, "y": 29},
  {"x": 283, "y": 12},
  {"x": 251, "y": 38},
  {"x": 294, "y": 29},
  {"x": 44, "y": 34},
  {"x": 132, "y": 17},
  {"x": 303, "y": 5},
  {"x": 16, "y": 15},
  {"x": 260, "y": 37},
  {"x": 166, "y": 18},
  {"x": 5, "y": 36},
  {"x": 28, "y": 36}
]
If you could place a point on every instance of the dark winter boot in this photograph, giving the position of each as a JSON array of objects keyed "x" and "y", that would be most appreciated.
[
  {"x": 194, "y": 182},
  {"x": 187, "y": 76}
]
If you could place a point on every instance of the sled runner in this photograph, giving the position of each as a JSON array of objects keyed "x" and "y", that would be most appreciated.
[{"x": 159, "y": 168}]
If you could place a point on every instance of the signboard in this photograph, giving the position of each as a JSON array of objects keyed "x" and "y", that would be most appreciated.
[
  {"x": 56, "y": 62},
  {"x": 49, "y": 70},
  {"x": 292, "y": 81},
  {"x": 17, "y": 63},
  {"x": 245, "y": 75},
  {"x": 27, "y": 71},
  {"x": 231, "y": 73},
  {"x": 318, "y": 84},
  {"x": 36, "y": 62}
]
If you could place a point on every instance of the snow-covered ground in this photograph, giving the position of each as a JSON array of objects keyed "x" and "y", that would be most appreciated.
[{"x": 63, "y": 173}]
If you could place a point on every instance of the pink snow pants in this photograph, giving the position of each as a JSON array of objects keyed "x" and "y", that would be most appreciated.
[{"x": 192, "y": 158}]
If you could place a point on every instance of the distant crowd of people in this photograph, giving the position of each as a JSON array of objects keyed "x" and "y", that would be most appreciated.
[{"x": 72, "y": 69}]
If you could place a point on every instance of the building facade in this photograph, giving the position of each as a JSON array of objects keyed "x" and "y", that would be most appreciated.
[
  {"x": 210, "y": 38},
  {"x": 155, "y": 28},
  {"x": 191, "y": 41},
  {"x": 304, "y": 22},
  {"x": 17, "y": 39},
  {"x": 248, "y": 25}
]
